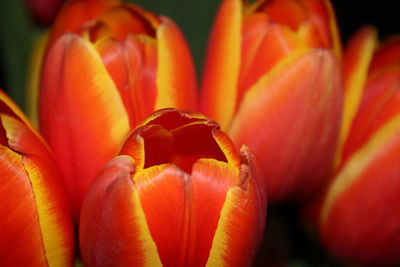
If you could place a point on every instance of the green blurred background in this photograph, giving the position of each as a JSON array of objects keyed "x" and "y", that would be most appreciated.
[{"x": 287, "y": 242}]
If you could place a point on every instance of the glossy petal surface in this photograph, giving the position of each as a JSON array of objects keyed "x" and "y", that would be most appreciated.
[{"x": 68, "y": 101}]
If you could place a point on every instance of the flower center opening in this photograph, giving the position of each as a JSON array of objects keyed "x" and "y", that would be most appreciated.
[{"x": 181, "y": 146}]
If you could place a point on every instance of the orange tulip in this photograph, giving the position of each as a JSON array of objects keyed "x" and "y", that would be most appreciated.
[
  {"x": 36, "y": 224},
  {"x": 272, "y": 80},
  {"x": 359, "y": 211},
  {"x": 107, "y": 66},
  {"x": 178, "y": 195}
]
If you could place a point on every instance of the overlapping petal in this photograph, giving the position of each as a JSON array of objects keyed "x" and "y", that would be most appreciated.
[
  {"x": 36, "y": 215},
  {"x": 180, "y": 203},
  {"x": 107, "y": 65},
  {"x": 272, "y": 79}
]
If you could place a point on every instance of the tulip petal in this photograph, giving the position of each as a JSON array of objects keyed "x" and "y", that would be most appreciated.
[
  {"x": 380, "y": 103},
  {"x": 22, "y": 243},
  {"x": 189, "y": 208},
  {"x": 361, "y": 192},
  {"x": 388, "y": 55},
  {"x": 76, "y": 15},
  {"x": 75, "y": 104},
  {"x": 132, "y": 65},
  {"x": 278, "y": 42},
  {"x": 241, "y": 221},
  {"x": 35, "y": 68},
  {"x": 122, "y": 20},
  {"x": 266, "y": 116},
  {"x": 176, "y": 76},
  {"x": 113, "y": 227},
  {"x": 329, "y": 28},
  {"x": 53, "y": 210},
  {"x": 222, "y": 65},
  {"x": 358, "y": 56}
]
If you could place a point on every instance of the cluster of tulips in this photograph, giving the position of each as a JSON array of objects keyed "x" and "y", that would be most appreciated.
[{"x": 124, "y": 169}]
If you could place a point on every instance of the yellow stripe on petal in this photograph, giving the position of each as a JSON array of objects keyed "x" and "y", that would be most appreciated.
[
  {"x": 222, "y": 65},
  {"x": 58, "y": 250},
  {"x": 35, "y": 71},
  {"x": 176, "y": 77},
  {"x": 233, "y": 243},
  {"x": 359, "y": 162},
  {"x": 358, "y": 56},
  {"x": 149, "y": 247}
]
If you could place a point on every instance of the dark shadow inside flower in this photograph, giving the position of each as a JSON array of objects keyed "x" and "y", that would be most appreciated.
[{"x": 181, "y": 146}]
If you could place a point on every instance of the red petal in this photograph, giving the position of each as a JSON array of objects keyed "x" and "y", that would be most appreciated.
[
  {"x": 78, "y": 14},
  {"x": 241, "y": 224},
  {"x": 304, "y": 86},
  {"x": 361, "y": 212},
  {"x": 113, "y": 227},
  {"x": 81, "y": 116},
  {"x": 358, "y": 56},
  {"x": 21, "y": 239},
  {"x": 132, "y": 65},
  {"x": 380, "y": 103}
]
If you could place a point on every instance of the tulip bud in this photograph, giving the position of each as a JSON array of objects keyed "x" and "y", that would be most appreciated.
[
  {"x": 359, "y": 215},
  {"x": 36, "y": 224},
  {"x": 178, "y": 195},
  {"x": 107, "y": 66},
  {"x": 272, "y": 80}
]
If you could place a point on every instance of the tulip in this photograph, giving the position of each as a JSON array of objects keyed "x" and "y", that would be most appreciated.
[
  {"x": 107, "y": 65},
  {"x": 272, "y": 80},
  {"x": 359, "y": 210},
  {"x": 177, "y": 195},
  {"x": 43, "y": 11},
  {"x": 36, "y": 224}
]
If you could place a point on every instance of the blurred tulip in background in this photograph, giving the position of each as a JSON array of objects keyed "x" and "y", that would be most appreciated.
[
  {"x": 272, "y": 80},
  {"x": 36, "y": 223},
  {"x": 359, "y": 213},
  {"x": 106, "y": 66},
  {"x": 178, "y": 195},
  {"x": 43, "y": 11}
]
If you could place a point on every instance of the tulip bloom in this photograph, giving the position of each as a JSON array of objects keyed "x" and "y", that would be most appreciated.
[
  {"x": 272, "y": 81},
  {"x": 36, "y": 224},
  {"x": 106, "y": 67},
  {"x": 178, "y": 195},
  {"x": 359, "y": 212}
]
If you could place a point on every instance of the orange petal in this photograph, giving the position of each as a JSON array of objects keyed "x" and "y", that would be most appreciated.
[
  {"x": 113, "y": 226},
  {"x": 291, "y": 13},
  {"x": 222, "y": 65},
  {"x": 176, "y": 76},
  {"x": 132, "y": 65},
  {"x": 82, "y": 115},
  {"x": 358, "y": 56},
  {"x": 356, "y": 221},
  {"x": 278, "y": 41},
  {"x": 76, "y": 15},
  {"x": 380, "y": 103},
  {"x": 329, "y": 27},
  {"x": 123, "y": 20},
  {"x": 20, "y": 227},
  {"x": 305, "y": 86},
  {"x": 188, "y": 207},
  {"x": 52, "y": 207},
  {"x": 241, "y": 223}
]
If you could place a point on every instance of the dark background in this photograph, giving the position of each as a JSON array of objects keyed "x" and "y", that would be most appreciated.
[{"x": 287, "y": 242}]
